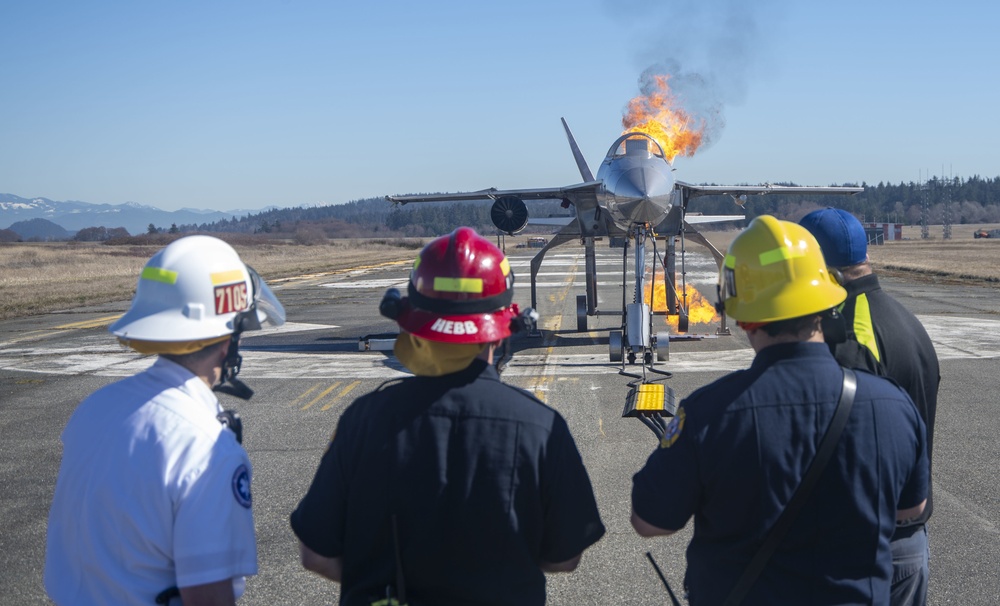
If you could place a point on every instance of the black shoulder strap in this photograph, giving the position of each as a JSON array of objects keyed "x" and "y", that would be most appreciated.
[{"x": 780, "y": 528}]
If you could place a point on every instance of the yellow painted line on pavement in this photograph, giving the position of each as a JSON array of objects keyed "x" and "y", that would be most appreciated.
[
  {"x": 336, "y": 272},
  {"x": 306, "y": 394},
  {"x": 93, "y": 323},
  {"x": 343, "y": 392},
  {"x": 321, "y": 395},
  {"x": 539, "y": 385},
  {"x": 48, "y": 332}
]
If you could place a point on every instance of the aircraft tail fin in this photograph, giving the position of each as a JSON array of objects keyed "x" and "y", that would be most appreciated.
[{"x": 581, "y": 163}]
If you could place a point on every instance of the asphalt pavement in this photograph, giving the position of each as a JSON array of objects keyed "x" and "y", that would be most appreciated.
[{"x": 306, "y": 373}]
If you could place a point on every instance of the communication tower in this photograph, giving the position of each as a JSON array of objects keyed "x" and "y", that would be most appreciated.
[
  {"x": 925, "y": 211},
  {"x": 947, "y": 212}
]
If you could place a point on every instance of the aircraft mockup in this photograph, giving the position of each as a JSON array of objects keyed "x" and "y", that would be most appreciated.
[{"x": 634, "y": 197}]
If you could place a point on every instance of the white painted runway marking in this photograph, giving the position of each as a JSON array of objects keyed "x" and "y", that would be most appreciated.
[
  {"x": 289, "y": 327},
  {"x": 957, "y": 338},
  {"x": 954, "y": 338},
  {"x": 383, "y": 283}
]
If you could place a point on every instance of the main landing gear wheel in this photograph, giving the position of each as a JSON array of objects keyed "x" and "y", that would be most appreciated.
[
  {"x": 581, "y": 313},
  {"x": 615, "y": 345}
]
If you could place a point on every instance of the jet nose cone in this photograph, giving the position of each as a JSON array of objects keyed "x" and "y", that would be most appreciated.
[
  {"x": 643, "y": 195},
  {"x": 643, "y": 183}
]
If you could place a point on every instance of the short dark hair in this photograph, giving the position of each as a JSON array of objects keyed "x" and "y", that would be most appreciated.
[
  {"x": 196, "y": 356},
  {"x": 793, "y": 326}
]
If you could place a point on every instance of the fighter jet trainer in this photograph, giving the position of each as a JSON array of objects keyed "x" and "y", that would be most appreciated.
[{"x": 634, "y": 197}]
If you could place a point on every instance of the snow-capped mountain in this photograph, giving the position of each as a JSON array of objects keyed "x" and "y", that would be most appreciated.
[{"x": 74, "y": 215}]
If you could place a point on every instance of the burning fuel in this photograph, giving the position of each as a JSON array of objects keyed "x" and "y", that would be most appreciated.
[
  {"x": 700, "y": 310},
  {"x": 657, "y": 113}
]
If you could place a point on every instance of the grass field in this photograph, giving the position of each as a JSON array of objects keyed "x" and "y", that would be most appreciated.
[
  {"x": 960, "y": 258},
  {"x": 42, "y": 277}
]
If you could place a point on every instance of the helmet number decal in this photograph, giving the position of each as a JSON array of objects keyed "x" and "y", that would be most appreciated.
[{"x": 230, "y": 298}]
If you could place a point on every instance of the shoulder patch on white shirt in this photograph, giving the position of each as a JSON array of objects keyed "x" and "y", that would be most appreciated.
[{"x": 241, "y": 486}]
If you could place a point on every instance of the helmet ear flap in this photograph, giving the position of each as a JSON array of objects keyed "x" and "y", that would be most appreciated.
[
  {"x": 392, "y": 304},
  {"x": 834, "y": 326},
  {"x": 526, "y": 321}
]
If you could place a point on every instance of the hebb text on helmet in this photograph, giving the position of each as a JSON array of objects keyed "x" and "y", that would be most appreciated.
[{"x": 450, "y": 327}]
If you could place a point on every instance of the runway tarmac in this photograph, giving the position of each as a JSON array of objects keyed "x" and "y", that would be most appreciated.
[{"x": 308, "y": 371}]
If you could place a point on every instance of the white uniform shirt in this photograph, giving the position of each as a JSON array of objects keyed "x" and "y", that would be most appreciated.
[{"x": 153, "y": 492}]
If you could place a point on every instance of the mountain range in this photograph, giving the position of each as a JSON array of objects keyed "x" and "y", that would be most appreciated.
[{"x": 73, "y": 215}]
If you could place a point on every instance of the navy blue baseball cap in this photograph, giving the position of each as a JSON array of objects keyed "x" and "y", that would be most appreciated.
[{"x": 840, "y": 235}]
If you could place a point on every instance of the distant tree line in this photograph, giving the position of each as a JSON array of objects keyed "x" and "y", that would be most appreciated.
[
  {"x": 956, "y": 200},
  {"x": 960, "y": 201},
  {"x": 100, "y": 234}
]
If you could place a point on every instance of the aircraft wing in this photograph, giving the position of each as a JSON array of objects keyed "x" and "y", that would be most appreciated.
[
  {"x": 551, "y": 220},
  {"x": 694, "y": 191},
  {"x": 692, "y": 219},
  {"x": 583, "y": 196},
  {"x": 571, "y": 192}
]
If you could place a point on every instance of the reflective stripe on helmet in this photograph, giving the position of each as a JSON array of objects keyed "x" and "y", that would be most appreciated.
[
  {"x": 470, "y": 285},
  {"x": 777, "y": 255},
  {"x": 770, "y": 257},
  {"x": 158, "y": 274},
  {"x": 459, "y": 306},
  {"x": 228, "y": 277}
]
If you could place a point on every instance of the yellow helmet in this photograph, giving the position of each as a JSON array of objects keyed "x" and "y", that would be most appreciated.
[{"x": 774, "y": 270}]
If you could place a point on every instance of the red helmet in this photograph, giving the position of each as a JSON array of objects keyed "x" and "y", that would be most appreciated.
[{"x": 460, "y": 291}]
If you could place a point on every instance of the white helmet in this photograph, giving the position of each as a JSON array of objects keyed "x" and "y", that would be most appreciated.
[{"x": 196, "y": 290}]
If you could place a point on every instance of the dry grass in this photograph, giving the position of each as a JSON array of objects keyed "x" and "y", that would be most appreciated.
[
  {"x": 961, "y": 258},
  {"x": 41, "y": 277}
]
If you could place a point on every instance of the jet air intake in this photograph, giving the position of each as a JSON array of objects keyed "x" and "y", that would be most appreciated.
[{"x": 509, "y": 214}]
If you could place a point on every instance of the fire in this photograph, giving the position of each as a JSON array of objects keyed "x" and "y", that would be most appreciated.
[
  {"x": 700, "y": 310},
  {"x": 657, "y": 113}
]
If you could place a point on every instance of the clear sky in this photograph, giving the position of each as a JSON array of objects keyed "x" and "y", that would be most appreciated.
[{"x": 244, "y": 104}]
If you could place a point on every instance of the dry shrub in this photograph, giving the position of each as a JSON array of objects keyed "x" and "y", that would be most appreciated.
[{"x": 310, "y": 235}]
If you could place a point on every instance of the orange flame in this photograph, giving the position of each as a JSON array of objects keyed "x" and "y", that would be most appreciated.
[
  {"x": 657, "y": 114},
  {"x": 700, "y": 310}
]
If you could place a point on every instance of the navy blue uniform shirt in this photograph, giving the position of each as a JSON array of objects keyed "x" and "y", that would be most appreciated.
[
  {"x": 485, "y": 481},
  {"x": 739, "y": 447}
]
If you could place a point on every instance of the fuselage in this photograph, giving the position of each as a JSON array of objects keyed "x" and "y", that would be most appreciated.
[{"x": 638, "y": 181}]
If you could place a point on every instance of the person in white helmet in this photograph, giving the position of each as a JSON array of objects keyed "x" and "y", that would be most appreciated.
[{"x": 153, "y": 498}]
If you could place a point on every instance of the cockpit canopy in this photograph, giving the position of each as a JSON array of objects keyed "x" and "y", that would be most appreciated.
[{"x": 635, "y": 144}]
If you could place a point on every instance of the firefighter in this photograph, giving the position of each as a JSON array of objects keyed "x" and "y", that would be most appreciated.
[
  {"x": 449, "y": 487},
  {"x": 153, "y": 496},
  {"x": 884, "y": 338},
  {"x": 738, "y": 448}
]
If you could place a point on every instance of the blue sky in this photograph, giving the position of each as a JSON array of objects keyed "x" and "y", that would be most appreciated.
[{"x": 225, "y": 104}]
